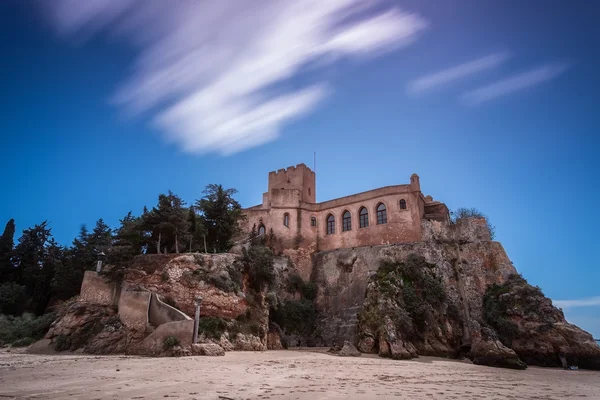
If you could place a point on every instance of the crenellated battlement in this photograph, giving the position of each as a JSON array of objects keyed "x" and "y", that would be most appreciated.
[
  {"x": 291, "y": 169},
  {"x": 295, "y": 177}
]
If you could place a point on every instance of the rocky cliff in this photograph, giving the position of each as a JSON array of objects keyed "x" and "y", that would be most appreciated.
[{"x": 454, "y": 294}]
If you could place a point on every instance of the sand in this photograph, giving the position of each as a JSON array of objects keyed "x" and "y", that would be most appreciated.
[{"x": 294, "y": 374}]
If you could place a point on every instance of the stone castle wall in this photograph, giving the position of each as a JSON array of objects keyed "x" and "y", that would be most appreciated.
[{"x": 291, "y": 198}]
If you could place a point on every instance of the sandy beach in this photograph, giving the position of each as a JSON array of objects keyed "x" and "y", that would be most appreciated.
[{"x": 279, "y": 375}]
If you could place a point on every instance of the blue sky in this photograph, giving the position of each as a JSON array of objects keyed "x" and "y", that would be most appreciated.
[{"x": 494, "y": 105}]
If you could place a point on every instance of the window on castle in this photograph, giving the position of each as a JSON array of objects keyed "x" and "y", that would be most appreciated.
[
  {"x": 313, "y": 221},
  {"x": 286, "y": 219},
  {"x": 261, "y": 230},
  {"x": 403, "y": 204},
  {"x": 330, "y": 224},
  {"x": 363, "y": 217},
  {"x": 381, "y": 214},
  {"x": 346, "y": 221}
]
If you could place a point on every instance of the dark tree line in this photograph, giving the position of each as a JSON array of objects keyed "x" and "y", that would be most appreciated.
[{"x": 35, "y": 270}]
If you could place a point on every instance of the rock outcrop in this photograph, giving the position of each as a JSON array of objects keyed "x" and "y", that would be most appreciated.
[
  {"x": 91, "y": 328},
  {"x": 486, "y": 349},
  {"x": 528, "y": 323},
  {"x": 370, "y": 296}
]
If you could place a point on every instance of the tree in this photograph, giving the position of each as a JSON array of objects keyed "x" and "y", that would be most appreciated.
[
  {"x": 6, "y": 252},
  {"x": 131, "y": 234},
  {"x": 36, "y": 257},
  {"x": 196, "y": 231},
  {"x": 101, "y": 237},
  {"x": 221, "y": 214},
  {"x": 167, "y": 224},
  {"x": 12, "y": 298},
  {"x": 68, "y": 273},
  {"x": 464, "y": 212}
]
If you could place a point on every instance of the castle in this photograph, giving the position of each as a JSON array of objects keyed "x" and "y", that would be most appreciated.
[{"x": 387, "y": 215}]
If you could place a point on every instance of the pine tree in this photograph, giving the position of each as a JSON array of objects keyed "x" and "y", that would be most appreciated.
[
  {"x": 36, "y": 257},
  {"x": 167, "y": 225},
  {"x": 221, "y": 214},
  {"x": 68, "y": 273},
  {"x": 6, "y": 252}
]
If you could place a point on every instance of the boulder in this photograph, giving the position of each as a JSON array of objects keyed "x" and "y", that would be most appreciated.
[
  {"x": 244, "y": 342},
  {"x": 486, "y": 349},
  {"x": 367, "y": 345},
  {"x": 348, "y": 350},
  {"x": 391, "y": 344},
  {"x": 207, "y": 349}
]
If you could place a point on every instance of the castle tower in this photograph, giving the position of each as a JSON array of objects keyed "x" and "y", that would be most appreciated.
[
  {"x": 415, "y": 184},
  {"x": 300, "y": 178}
]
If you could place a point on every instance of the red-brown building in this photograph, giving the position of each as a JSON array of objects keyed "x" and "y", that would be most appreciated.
[{"x": 387, "y": 215}]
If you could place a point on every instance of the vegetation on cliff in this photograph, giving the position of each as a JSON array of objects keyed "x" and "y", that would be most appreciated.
[
  {"x": 405, "y": 304},
  {"x": 408, "y": 292},
  {"x": 464, "y": 212},
  {"x": 37, "y": 271}
]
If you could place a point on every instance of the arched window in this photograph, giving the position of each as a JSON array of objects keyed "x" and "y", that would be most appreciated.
[
  {"x": 313, "y": 221},
  {"x": 381, "y": 214},
  {"x": 286, "y": 219},
  {"x": 261, "y": 230},
  {"x": 346, "y": 221},
  {"x": 330, "y": 224},
  {"x": 363, "y": 217},
  {"x": 403, "y": 204}
]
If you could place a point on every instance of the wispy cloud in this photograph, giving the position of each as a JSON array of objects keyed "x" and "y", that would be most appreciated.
[
  {"x": 210, "y": 72},
  {"x": 514, "y": 84},
  {"x": 587, "y": 302},
  {"x": 462, "y": 71}
]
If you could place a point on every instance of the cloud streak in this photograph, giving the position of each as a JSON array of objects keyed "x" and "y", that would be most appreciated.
[
  {"x": 513, "y": 84},
  {"x": 568, "y": 304},
  {"x": 210, "y": 73},
  {"x": 458, "y": 72}
]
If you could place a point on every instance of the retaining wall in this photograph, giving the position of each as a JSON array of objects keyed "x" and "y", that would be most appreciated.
[{"x": 95, "y": 289}]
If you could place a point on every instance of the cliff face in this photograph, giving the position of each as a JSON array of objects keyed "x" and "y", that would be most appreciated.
[
  {"x": 454, "y": 293},
  {"x": 466, "y": 266}
]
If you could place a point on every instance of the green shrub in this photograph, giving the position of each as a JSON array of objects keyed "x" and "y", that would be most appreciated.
[
  {"x": 515, "y": 293},
  {"x": 463, "y": 212},
  {"x": 296, "y": 284},
  {"x": 309, "y": 291},
  {"x": 170, "y": 342},
  {"x": 408, "y": 292},
  {"x": 295, "y": 316},
  {"x": 257, "y": 262},
  {"x": 26, "y": 341},
  {"x": 212, "y": 327},
  {"x": 12, "y": 298},
  {"x": 25, "y": 326},
  {"x": 62, "y": 343}
]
